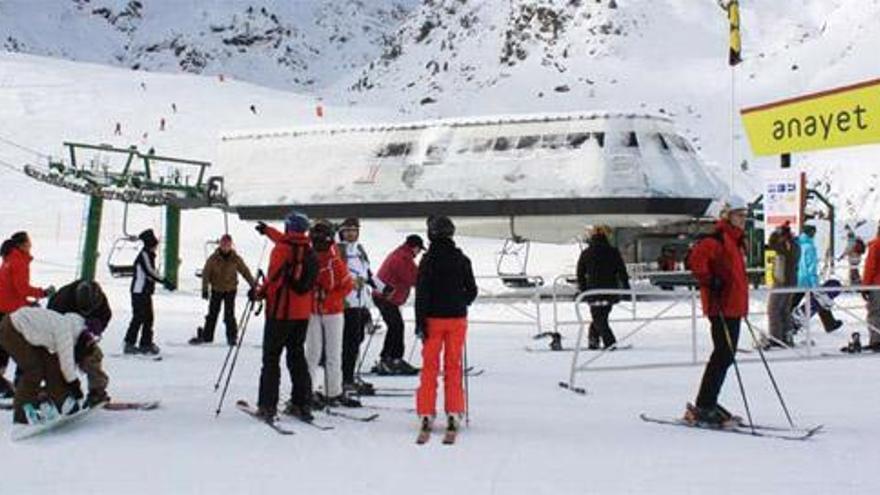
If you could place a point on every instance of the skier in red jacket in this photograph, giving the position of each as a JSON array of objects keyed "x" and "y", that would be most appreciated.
[
  {"x": 15, "y": 290},
  {"x": 718, "y": 265},
  {"x": 394, "y": 281}
]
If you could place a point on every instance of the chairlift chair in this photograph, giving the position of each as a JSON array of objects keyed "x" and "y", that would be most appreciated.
[
  {"x": 515, "y": 252},
  {"x": 122, "y": 256}
]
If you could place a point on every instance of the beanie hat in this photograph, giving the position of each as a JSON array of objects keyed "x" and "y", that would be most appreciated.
[
  {"x": 88, "y": 297},
  {"x": 440, "y": 227},
  {"x": 415, "y": 240},
  {"x": 296, "y": 222},
  {"x": 149, "y": 238}
]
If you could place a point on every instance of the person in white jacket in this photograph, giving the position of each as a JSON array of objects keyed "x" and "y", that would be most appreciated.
[{"x": 42, "y": 343}]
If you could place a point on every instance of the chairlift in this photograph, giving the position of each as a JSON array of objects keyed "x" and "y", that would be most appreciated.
[
  {"x": 124, "y": 251},
  {"x": 513, "y": 260}
]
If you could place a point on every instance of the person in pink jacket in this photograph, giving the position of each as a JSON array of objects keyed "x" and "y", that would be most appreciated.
[{"x": 394, "y": 282}]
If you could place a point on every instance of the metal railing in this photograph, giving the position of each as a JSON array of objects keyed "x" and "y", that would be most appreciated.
[{"x": 679, "y": 297}]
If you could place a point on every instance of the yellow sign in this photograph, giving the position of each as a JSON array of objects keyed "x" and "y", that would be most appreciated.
[{"x": 847, "y": 116}]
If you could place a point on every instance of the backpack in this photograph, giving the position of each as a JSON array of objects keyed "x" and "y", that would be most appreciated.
[{"x": 300, "y": 274}]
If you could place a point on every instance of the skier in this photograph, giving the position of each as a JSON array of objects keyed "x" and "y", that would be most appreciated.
[
  {"x": 395, "y": 279},
  {"x": 253, "y": 109},
  {"x": 717, "y": 263},
  {"x": 42, "y": 343},
  {"x": 289, "y": 292},
  {"x": 855, "y": 249},
  {"x": 142, "y": 286},
  {"x": 600, "y": 266},
  {"x": 871, "y": 276},
  {"x": 357, "y": 314},
  {"x": 445, "y": 289},
  {"x": 162, "y": 124},
  {"x": 174, "y": 107},
  {"x": 326, "y": 322},
  {"x": 117, "y": 131},
  {"x": 15, "y": 290},
  {"x": 808, "y": 276},
  {"x": 784, "y": 274},
  {"x": 88, "y": 300},
  {"x": 219, "y": 286}
]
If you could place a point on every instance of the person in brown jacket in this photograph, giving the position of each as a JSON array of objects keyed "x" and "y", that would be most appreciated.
[{"x": 220, "y": 275}]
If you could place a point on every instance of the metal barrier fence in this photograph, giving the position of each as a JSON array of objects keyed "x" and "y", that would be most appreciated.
[{"x": 695, "y": 315}]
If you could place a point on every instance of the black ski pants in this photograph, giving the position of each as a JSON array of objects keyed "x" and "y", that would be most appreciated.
[
  {"x": 600, "y": 327},
  {"x": 394, "y": 345},
  {"x": 720, "y": 360},
  {"x": 289, "y": 336},
  {"x": 227, "y": 299},
  {"x": 141, "y": 320},
  {"x": 356, "y": 320}
]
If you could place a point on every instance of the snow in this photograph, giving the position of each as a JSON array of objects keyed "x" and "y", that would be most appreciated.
[{"x": 526, "y": 434}]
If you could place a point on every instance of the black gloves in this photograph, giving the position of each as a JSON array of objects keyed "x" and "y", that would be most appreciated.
[
  {"x": 169, "y": 285},
  {"x": 74, "y": 389},
  {"x": 261, "y": 228},
  {"x": 421, "y": 330},
  {"x": 387, "y": 290},
  {"x": 252, "y": 294},
  {"x": 205, "y": 294}
]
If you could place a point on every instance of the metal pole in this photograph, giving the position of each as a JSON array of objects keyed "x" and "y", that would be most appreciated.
[
  {"x": 769, "y": 373},
  {"x": 172, "y": 243},
  {"x": 693, "y": 326},
  {"x": 809, "y": 313},
  {"x": 93, "y": 236}
]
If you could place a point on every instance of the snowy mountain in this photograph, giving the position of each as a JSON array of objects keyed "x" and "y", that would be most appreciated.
[{"x": 293, "y": 45}]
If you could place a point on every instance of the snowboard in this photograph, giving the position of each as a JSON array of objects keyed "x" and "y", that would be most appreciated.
[
  {"x": 818, "y": 300},
  {"x": 22, "y": 432}
]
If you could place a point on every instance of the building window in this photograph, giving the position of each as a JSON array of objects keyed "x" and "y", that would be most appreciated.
[
  {"x": 502, "y": 144},
  {"x": 527, "y": 142},
  {"x": 576, "y": 140},
  {"x": 394, "y": 149},
  {"x": 600, "y": 138}
]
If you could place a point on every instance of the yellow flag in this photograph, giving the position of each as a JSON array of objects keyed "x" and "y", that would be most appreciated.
[{"x": 735, "y": 40}]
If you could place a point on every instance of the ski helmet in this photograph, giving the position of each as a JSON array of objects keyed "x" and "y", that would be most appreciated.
[
  {"x": 321, "y": 234},
  {"x": 440, "y": 227},
  {"x": 296, "y": 222},
  {"x": 88, "y": 297}
]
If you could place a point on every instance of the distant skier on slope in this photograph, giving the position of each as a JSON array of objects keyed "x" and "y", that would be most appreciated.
[
  {"x": 15, "y": 290},
  {"x": 326, "y": 322},
  {"x": 395, "y": 280},
  {"x": 142, "y": 287},
  {"x": 289, "y": 292},
  {"x": 717, "y": 263},
  {"x": 445, "y": 289},
  {"x": 600, "y": 266}
]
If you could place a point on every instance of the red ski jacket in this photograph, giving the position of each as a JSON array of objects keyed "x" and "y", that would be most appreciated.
[
  {"x": 15, "y": 282},
  {"x": 721, "y": 256},
  {"x": 289, "y": 286},
  {"x": 871, "y": 273},
  {"x": 400, "y": 272},
  {"x": 333, "y": 284}
]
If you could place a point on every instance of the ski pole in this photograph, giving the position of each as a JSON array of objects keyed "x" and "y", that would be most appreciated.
[
  {"x": 366, "y": 347},
  {"x": 241, "y": 323},
  {"x": 739, "y": 380},
  {"x": 770, "y": 374},
  {"x": 241, "y": 335},
  {"x": 467, "y": 388}
]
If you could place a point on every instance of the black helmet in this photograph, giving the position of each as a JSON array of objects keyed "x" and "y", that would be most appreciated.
[
  {"x": 321, "y": 234},
  {"x": 88, "y": 297},
  {"x": 440, "y": 227}
]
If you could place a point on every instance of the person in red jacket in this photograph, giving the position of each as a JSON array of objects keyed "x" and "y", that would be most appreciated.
[
  {"x": 327, "y": 321},
  {"x": 288, "y": 291},
  {"x": 871, "y": 276},
  {"x": 15, "y": 290},
  {"x": 394, "y": 281},
  {"x": 718, "y": 265}
]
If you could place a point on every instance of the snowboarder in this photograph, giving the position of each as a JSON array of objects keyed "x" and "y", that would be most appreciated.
[
  {"x": 808, "y": 276},
  {"x": 254, "y": 109},
  {"x": 357, "y": 314},
  {"x": 445, "y": 289},
  {"x": 219, "y": 286},
  {"x": 162, "y": 124},
  {"x": 855, "y": 249},
  {"x": 326, "y": 322},
  {"x": 15, "y": 290},
  {"x": 395, "y": 280},
  {"x": 289, "y": 292},
  {"x": 784, "y": 274},
  {"x": 42, "y": 343},
  {"x": 600, "y": 266},
  {"x": 142, "y": 287},
  {"x": 718, "y": 265},
  {"x": 88, "y": 300},
  {"x": 871, "y": 276}
]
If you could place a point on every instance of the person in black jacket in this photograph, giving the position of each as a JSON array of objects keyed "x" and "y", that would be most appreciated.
[
  {"x": 142, "y": 287},
  {"x": 87, "y": 299},
  {"x": 600, "y": 266},
  {"x": 444, "y": 290}
]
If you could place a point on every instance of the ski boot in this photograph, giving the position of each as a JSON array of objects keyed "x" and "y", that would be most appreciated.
[
  {"x": 855, "y": 344},
  {"x": 708, "y": 417},
  {"x": 401, "y": 367},
  {"x": 303, "y": 412},
  {"x": 149, "y": 349},
  {"x": 130, "y": 349},
  {"x": 346, "y": 400}
]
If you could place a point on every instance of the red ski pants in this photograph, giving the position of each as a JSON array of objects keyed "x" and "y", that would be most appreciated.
[{"x": 446, "y": 334}]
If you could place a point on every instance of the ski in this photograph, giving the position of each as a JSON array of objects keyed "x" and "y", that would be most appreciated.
[
  {"x": 623, "y": 347},
  {"x": 353, "y": 417},
  {"x": 246, "y": 408},
  {"x": 423, "y": 436},
  {"x": 137, "y": 357},
  {"x": 760, "y": 431},
  {"x": 312, "y": 423},
  {"x": 21, "y": 432},
  {"x": 380, "y": 407},
  {"x": 132, "y": 406}
]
